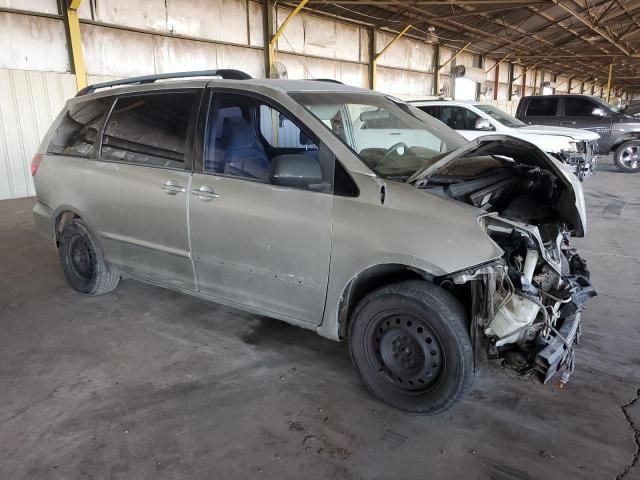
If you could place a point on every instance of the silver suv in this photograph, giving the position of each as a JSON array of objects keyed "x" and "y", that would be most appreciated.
[{"x": 333, "y": 208}]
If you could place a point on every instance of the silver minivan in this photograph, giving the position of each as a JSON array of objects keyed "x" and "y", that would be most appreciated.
[{"x": 333, "y": 208}]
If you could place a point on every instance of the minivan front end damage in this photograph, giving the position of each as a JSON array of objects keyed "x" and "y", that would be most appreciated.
[{"x": 526, "y": 307}]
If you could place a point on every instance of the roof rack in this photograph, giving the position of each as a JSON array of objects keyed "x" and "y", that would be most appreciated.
[
  {"x": 226, "y": 74},
  {"x": 329, "y": 80}
]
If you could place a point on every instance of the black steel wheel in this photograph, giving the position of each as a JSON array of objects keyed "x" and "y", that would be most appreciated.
[
  {"x": 83, "y": 262},
  {"x": 410, "y": 345}
]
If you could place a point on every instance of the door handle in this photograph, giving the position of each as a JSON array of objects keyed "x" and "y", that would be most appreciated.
[
  {"x": 205, "y": 192},
  {"x": 171, "y": 187},
  {"x": 568, "y": 123}
]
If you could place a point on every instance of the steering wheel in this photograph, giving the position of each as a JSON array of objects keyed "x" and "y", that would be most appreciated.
[{"x": 393, "y": 148}]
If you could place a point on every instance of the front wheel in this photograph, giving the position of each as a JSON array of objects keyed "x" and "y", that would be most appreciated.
[
  {"x": 627, "y": 156},
  {"x": 410, "y": 345}
]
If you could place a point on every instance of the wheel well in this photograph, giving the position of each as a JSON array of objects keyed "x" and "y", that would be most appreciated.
[
  {"x": 61, "y": 221},
  {"x": 623, "y": 139},
  {"x": 369, "y": 280}
]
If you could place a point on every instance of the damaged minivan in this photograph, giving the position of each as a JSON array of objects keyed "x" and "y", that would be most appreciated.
[{"x": 329, "y": 207}]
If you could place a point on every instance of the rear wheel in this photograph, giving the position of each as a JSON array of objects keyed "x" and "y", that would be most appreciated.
[
  {"x": 627, "y": 156},
  {"x": 410, "y": 345},
  {"x": 83, "y": 261}
]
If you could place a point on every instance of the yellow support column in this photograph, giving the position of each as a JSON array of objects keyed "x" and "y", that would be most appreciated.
[
  {"x": 75, "y": 44},
  {"x": 274, "y": 39},
  {"x": 374, "y": 60},
  {"x": 609, "y": 82}
]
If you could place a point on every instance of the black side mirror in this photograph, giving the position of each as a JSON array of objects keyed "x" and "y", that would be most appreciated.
[{"x": 295, "y": 170}]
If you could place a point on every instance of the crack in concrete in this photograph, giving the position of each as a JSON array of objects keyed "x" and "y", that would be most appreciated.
[{"x": 636, "y": 436}]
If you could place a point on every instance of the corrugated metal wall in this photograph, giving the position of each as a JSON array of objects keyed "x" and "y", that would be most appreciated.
[{"x": 28, "y": 104}]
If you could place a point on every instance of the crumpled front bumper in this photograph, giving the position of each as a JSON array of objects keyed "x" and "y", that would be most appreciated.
[{"x": 582, "y": 161}]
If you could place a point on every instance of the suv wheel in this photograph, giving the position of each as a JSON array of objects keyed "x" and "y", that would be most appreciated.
[
  {"x": 83, "y": 261},
  {"x": 627, "y": 156},
  {"x": 410, "y": 345}
]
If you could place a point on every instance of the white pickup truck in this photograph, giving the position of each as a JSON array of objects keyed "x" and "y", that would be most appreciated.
[{"x": 471, "y": 119}]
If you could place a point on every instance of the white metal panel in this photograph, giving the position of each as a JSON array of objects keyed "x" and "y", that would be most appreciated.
[
  {"x": 292, "y": 39},
  {"x": 256, "y": 26},
  {"x": 32, "y": 43},
  {"x": 195, "y": 18},
  {"x": 30, "y": 102},
  {"x": 296, "y": 65},
  {"x": 143, "y": 14},
  {"x": 45, "y": 6},
  {"x": 517, "y": 72},
  {"x": 353, "y": 74},
  {"x": 503, "y": 76},
  {"x": 317, "y": 68},
  {"x": 348, "y": 42},
  {"x": 465, "y": 58},
  {"x": 405, "y": 53},
  {"x": 234, "y": 21},
  {"x": 179, "y": 55},
  {"x": 364, "y": 45},
  {"x": 319, "y": 37},
  {"x": 114, "y": 52},
  {"x": 248, "y": 60},
  {"x": 403, "y": 84}
]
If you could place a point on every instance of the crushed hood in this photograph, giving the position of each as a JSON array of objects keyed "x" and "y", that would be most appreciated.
[
  {"x": 575, "y": 133},
  {"x": 571, "y": 205}
]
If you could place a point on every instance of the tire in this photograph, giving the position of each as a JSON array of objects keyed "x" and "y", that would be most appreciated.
[
  {"x": 627, "y": 156},
  {"x": 83, "y": 261},
  {"x": 410, "y": 345}
]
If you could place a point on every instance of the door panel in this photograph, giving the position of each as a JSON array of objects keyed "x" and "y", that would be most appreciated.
[
  {"x": 262, "y": 246},
  {"x": 578, "y": 114},
  {"x": 142, "y": 221}
]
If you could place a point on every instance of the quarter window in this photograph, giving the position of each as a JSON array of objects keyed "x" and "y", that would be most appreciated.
[
  {"x": 78, "y": 130},
  {"x": 578, "y": 107},
  {"x": 542, "y": 107},
  {"x": 149, "y": 129}
]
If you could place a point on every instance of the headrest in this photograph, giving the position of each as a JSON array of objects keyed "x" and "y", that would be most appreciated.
[{"x": 237, "y": 133}]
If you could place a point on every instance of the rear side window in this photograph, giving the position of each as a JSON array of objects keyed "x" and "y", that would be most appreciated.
[
  {"x": 78, "y": 130},
  {"x": 542, "y": 107},
  {"x": 578, "y": 107},
  {"x": 431, "y": 110},
  {"x": 150, "y": 129}
]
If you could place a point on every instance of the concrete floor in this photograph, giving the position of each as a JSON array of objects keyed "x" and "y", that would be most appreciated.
[{"x": 147, "y": 383}]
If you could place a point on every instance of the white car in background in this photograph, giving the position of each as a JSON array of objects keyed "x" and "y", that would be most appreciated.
[{"x": 571, "y": 146}]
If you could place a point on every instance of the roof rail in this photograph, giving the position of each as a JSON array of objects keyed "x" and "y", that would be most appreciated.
[
  {"x": 227, "y": 74},
  {"x": 328, "y": 80}
]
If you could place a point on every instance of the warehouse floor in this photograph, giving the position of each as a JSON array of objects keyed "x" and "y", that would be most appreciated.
[{"x": 147, "y": 383}]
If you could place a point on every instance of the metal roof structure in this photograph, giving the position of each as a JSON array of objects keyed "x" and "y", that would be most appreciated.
[{"x": 580, "y": 38}]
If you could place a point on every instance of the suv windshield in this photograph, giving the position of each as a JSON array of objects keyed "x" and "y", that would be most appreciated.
[
  {"x": 502, "y": 117},
  {"x": 391, "y": 137}
]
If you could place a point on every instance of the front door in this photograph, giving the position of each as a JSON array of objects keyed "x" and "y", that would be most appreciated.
[
  {"x": 583, "y": 113},
  {"x": 137, "y": 189},
  {"x": 257, "y": 242}
]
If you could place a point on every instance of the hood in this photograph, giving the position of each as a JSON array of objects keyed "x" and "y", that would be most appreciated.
[
  {"x": 571, "y": 205},
  {"x": 574, "y": 133}
]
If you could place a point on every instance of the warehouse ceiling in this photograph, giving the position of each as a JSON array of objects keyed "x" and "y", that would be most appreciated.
[{"x": 580, "y": 38}]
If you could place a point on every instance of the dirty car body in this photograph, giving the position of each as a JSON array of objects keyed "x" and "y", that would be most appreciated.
[{"x": 333, "y": 208}]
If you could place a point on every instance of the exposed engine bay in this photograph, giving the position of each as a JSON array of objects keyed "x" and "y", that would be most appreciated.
[
  {"x": 525, "y": 308},
  {"x": 582, "y": 161}
]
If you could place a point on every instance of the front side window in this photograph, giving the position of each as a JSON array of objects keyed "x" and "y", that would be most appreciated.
[
  {"x": 579, "y": 107},
  {"x": 429, "y": 109},
  {"x": 542, "y": 107},
  {"x": 391, "y": 137},
  {"x": 150, "y": 129},
  {"x": 248, "y": 138},
  {"x": 500, "y": 116},
  {"x": 78, "y": 130}
]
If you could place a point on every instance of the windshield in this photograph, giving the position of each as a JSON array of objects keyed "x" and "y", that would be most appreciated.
[
  {"x": 502, "y": 117},
  {"x": 391, "y": 137}
]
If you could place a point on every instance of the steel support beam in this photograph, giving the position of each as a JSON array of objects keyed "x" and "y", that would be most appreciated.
[
  {"x": 609, "y": 82},
  {"x": 267, "y": 30},
  {"x": 511, "y": 79},
  {"x": 455, "y": 55},
  {"x": 74, "y": 41},
  {"x": 274, "y": 38},
  {"x": 436, "y": 69},
  {"x": 373, "y": 63}
]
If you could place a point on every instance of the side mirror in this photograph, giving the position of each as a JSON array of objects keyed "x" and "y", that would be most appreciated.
[
  {"x": 483, "y": 124},
  {"x": 598, "y": 112},
  {"x": 295, "y": 170}
]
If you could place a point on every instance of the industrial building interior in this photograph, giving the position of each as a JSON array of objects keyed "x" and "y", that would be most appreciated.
[{"x": 160, "y": 379}]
